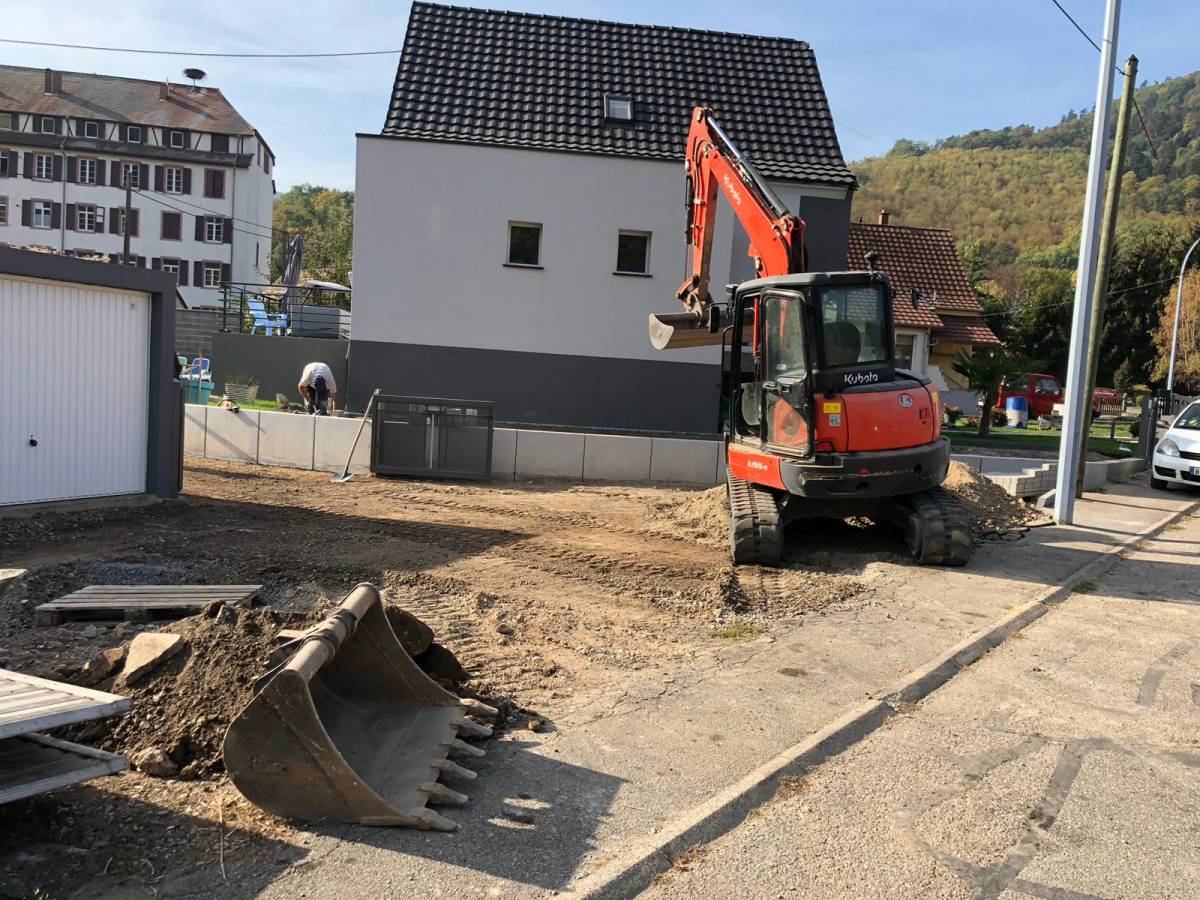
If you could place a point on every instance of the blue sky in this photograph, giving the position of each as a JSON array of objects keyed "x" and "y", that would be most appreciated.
[{"x": 921, "y": 69}]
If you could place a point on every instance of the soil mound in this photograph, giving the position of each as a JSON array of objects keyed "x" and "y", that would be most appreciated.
[
  {"x": 991, "y": 507},
  {"x": 703, "y": 516}
]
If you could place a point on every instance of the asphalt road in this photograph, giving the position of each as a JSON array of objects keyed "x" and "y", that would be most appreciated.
[{"x": 1063, "y": 765}]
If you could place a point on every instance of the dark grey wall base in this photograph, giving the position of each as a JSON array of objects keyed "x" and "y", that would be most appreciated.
[
  {"x": 275, "y": 362},
  {"x": 545, "y": 388}
]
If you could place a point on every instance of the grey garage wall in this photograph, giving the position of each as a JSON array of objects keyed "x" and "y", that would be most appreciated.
[
  {"x": 274, "y": 362},
  {"x": 545, "y": 388}
]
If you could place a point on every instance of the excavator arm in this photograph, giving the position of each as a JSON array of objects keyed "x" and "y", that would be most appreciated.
[{"x": 714, "y": 163}]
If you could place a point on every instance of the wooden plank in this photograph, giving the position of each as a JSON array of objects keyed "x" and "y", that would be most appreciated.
[
  {"x": 46, "y": 704},
  {"x": 136, "y": 602},
  {"x": 160, "y": 588},
  {"x": 34, "y": 764}
]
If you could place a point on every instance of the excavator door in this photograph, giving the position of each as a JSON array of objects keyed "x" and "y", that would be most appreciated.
[{"x": 776, "y": 400}]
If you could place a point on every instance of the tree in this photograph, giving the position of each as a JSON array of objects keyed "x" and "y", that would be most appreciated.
[
  {"x": 984, "y": 370},
  {"x": 1187, "y": 360},
  {"x": 1124, "y": 379},
  {"x": 326, "y": 219}
]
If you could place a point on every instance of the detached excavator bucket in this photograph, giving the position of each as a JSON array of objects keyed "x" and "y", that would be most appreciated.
[{"x": 349, "y": 728}]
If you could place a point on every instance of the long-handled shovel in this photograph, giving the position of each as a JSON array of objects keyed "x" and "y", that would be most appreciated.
[{"x": 346, "y": 476}]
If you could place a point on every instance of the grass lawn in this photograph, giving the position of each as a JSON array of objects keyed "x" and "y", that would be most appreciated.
[
  {"x": 1032, "y": 439},
  {"x": 264, "y": 405}
]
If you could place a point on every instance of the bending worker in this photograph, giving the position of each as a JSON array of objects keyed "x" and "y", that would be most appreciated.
[{"x": 318, "y": 390}]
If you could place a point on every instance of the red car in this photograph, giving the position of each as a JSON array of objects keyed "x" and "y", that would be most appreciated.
[{"x": 1042, "y": 392}]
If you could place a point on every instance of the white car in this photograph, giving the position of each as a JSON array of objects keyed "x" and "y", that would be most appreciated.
[{"x": 1177, "y": 456}]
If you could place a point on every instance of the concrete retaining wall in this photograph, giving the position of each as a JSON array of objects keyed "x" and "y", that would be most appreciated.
[
  {"x": 274, "y": 362},
  {"x": 321, "y": 442},
  {"x": 1029, "y": 477},
  {"x": 275, "y": 439}
]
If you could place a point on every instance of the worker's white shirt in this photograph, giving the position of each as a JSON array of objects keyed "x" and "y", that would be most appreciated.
[{"x": 312, "y": 370}]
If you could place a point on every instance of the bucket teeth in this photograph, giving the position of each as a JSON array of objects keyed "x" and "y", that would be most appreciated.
[
  {"x": 452, "y": 768},
  {"x": 439, "y": 793},
  {"x": 476, "y": 708},
  {"x": 472, "y": 728},
  {"x": 461, "y": 747}
]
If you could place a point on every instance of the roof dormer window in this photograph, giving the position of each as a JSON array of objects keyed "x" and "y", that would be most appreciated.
[
  {"x": 133, "y": 134},
  {"x": 618, "y": 108}
]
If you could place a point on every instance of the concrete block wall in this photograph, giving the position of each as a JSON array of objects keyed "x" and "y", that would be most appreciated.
[
  {"x": 319, "y": 442},
  {"x": 1026, "y": 477},
  {"x": 275, "y": 439}
]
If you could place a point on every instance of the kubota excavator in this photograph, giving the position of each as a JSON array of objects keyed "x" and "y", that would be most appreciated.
[{"x": 822, "y": 423}]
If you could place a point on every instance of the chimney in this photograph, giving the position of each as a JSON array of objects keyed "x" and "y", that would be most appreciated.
[
  {"x": 49, "y": 88},
  {"x": 884, "y": 215},
  {"x": 164, "y": 90},
  {"x": 58, "y": 82}
]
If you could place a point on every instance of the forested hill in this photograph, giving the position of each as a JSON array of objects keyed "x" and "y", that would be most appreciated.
[{"x": 1022, "y": 188}]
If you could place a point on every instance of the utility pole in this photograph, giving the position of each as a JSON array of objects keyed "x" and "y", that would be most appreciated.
[
  {"x": 1175, "y": 327},
  {"x": 1068, "y": 448},
  {"x": 1108, "y": 227},
  {"x": 125, "y": 226}
]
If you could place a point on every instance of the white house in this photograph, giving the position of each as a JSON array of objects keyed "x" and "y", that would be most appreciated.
[
  {"x": 200, "y": 174},
  {"x": 521, "y": 213}
]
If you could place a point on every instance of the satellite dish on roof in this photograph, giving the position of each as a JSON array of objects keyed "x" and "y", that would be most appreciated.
[{"x": 195, "y": 75}]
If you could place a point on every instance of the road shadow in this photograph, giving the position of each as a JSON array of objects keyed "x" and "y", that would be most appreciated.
[{"x": 531, "y": 819}]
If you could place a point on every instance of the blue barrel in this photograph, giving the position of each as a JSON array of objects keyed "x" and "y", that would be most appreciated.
[{"x": 1016, "y": 409}]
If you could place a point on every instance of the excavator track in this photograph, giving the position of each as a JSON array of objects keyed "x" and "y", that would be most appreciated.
[
  {"x": 936, "y": 527},
  {"x": 755, "y": 525}
]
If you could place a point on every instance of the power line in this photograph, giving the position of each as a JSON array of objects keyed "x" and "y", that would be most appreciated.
[
  {"x": 1087, "y": 37},
  {"x": 1136, "y": 287},
  {"x": 201, "y": 52},
  {"x": 211, "y": 212}
]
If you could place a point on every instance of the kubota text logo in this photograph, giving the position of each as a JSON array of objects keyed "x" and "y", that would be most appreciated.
[
  {"x": 733, "y": 191},
  {"x": 860, "y": 378},
  {"x": 757, "y": 464}
]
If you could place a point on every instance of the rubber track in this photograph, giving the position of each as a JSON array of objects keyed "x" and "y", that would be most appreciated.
[
  {"x": 755, "y": 532},
  {"x": 943, "y": 526}
]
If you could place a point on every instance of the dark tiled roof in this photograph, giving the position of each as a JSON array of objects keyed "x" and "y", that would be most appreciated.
[
  {"x": 116, "y": 99},
  {"x": 966, "y": 330},
  {"x": 916, "y": 258},
  {"x": 515, "y": 79},
  {"x": 912, "y": 317}
]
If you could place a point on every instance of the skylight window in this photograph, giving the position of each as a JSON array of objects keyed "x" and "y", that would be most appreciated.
[{"x": 618, "y": 109}]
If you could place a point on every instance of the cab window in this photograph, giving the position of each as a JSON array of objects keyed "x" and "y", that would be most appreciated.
[{"x": 853, "y": 325}]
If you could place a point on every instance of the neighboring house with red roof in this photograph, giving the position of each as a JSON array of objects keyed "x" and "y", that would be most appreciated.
[{"x": 937, "y": 314}]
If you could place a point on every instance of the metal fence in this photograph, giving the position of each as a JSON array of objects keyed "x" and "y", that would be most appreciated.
[
  {"x": 432, "y": 437},
  {"x": 312, "y": 311}
]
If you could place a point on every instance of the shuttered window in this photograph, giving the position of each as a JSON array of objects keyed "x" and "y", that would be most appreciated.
[
  {"x": 214, "y": 229},
  {"x": 48, "y": 125},
  {"x": 174, "y": 180},
  {"x": 86, "y": 169},
  {"x": 212, "y": 275},
  {"x": 85, "y": 217},
  {"x": 43, "y": 167},
  {"x": 133, "y": 134},
  {"x": 214, "y": 183},
  {"x": 3, "y": 210},
  {"x": 91, "y": 129},
  {"x": 42, "y": 212},
  {"x": 174, "y": 266},
  {"x": 172, "y": 226}
]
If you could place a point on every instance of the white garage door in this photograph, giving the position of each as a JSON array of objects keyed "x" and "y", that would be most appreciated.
[{"x": 74, "y": 362}]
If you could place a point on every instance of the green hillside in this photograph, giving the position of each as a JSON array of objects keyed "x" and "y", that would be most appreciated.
[{"x": 1021, "y": 189}]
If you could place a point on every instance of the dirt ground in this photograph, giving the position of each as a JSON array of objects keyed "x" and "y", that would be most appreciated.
[{"x": 547, "y": 592}]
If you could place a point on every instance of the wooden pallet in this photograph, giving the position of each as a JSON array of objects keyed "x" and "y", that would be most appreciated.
[
  {"x": 29, "y": 703},
  {"x": 34, "y": 763},
  {"x": 141, "y": 603}
]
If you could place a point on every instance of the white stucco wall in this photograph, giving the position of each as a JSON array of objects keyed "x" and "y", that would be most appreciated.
[{"x": 430, "y": 239}]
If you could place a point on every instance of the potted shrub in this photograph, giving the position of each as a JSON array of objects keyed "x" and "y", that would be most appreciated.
[{"x": 241, "y": 388}]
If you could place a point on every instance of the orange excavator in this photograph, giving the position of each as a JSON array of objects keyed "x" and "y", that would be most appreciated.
[{"x": 822, "y": 423}]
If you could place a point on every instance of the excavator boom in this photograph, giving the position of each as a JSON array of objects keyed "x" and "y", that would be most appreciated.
[{"x": 715, "y": 164}]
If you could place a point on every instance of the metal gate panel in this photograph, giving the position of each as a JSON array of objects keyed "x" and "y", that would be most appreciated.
[
  {"x": 432, "y": 437},
  {"x": 74, "y": 377}
]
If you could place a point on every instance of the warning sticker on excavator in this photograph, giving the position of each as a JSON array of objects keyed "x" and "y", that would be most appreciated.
[{"x": 831, "y": 408}]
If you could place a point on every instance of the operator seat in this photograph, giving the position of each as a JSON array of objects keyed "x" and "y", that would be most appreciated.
[{"x": 842, "y": 343}]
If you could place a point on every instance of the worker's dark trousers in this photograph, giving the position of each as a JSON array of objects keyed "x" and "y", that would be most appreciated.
[{"x": 322, "y": 393}]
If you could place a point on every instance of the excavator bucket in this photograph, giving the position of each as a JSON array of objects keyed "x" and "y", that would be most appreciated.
[
  {"x": 348, "y": 728},
  {"x": 674, "y": 331}
]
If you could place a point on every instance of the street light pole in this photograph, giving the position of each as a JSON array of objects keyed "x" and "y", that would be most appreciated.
[
  {"x": 1074, "y": 413},
  {"x": 1175, "y": 327}
]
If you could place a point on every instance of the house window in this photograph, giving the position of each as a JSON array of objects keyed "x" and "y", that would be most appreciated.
[
  {"x": 212, "y": 275},
  {"x": 42, "y": 212},
  {"x": 91, "y": 129},
  {"x": 85, "y": 217},
  {"x": 7, "y": 121},
  {"x": 524, "y": 244},
  {"x": 633, "y": 252},
  {"x": 133, "y": 220},
  {"x": 47, "y": 125},
  {"x": 43, "y": 167},
  {"x": 174, "y": 180},
  {"x": 172, "y": 226},
  {"x": 172, "y": 266},
  {"x": 178, "y": 140},
  {"x": 86, "y": 172},
  {"x": 618, "y": 108},
  {"x": 904, "y": 351},
  {"x": 214, "y": 229},
  {"x": 131, "y": 174},
  {"x": 133, "y": 134},
  {"x": 3, "y": 210},
  {"x": 214, "y": 183}
]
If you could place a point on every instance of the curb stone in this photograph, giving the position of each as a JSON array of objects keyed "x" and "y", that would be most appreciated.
[{"x": 637, "y": 865}]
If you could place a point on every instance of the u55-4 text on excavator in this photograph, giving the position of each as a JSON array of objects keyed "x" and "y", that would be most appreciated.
[{"x": 822, "y": 423}]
